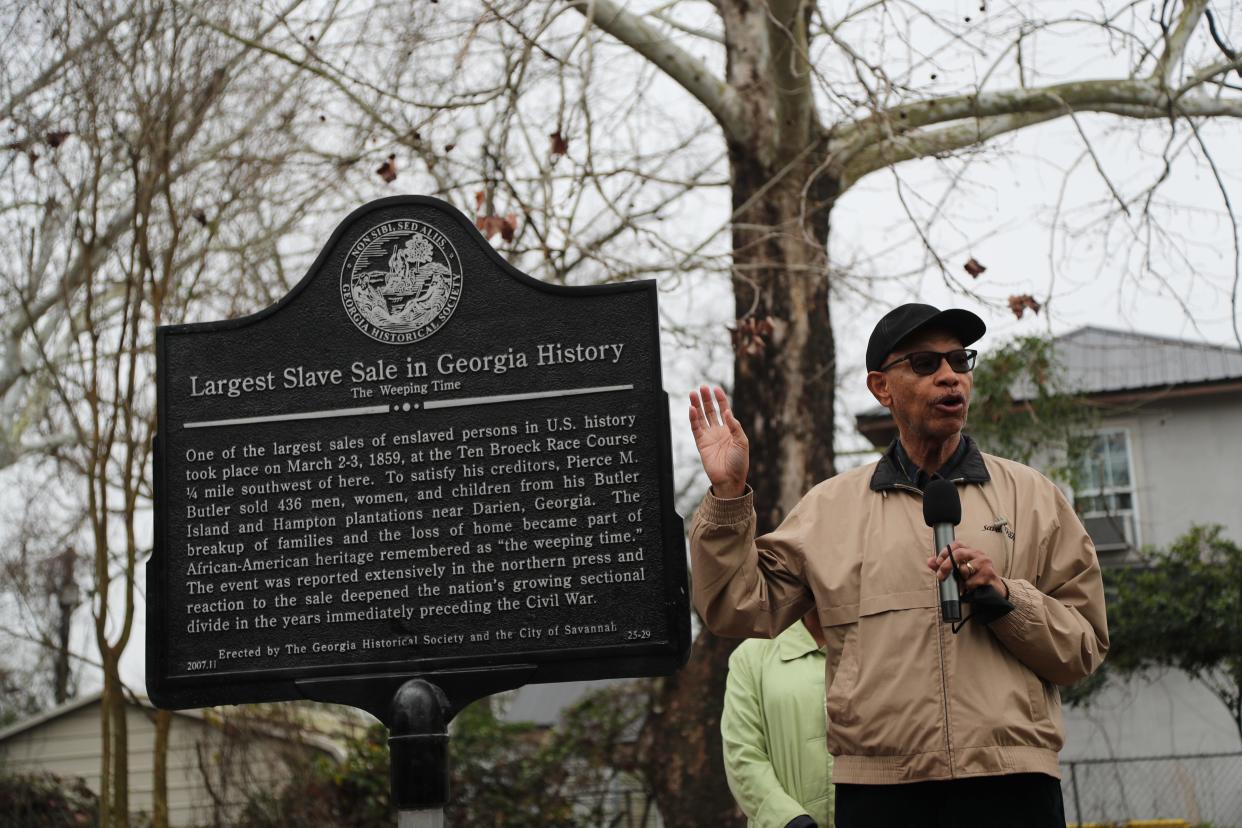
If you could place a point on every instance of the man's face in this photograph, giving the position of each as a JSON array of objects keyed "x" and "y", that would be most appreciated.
[{"x": 926, "y": 408}]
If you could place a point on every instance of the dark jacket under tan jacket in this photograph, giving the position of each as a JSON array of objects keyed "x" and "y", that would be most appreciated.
[{"x": 908, "y": 700}]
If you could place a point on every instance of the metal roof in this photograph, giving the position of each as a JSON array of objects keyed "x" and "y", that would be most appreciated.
[{"x": 1098, "y": 360}]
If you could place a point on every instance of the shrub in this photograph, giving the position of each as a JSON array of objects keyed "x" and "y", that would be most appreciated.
[{"x": 43, "y": 799}]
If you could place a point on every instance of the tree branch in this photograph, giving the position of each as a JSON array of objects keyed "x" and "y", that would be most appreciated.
[
  {"x": 667, "y": 18},
  {"x": 1221, "y": 44},
  {"x": 1132, "y": 98},
  {"x": 689, "y": 72},
  {"x": 1207, "y": 73},
  {"x": 1079, "y": 95},
  {"x": 1233, "y": 223},
  {"x": 255, "y": 43},
  {"x": 53, "y": 71},
  {"x": 924, "y": 143},
  {"x": 911, "y": 144},
  {"x": 74, "y": 277},
  {"x": 1175, "y": 43}
]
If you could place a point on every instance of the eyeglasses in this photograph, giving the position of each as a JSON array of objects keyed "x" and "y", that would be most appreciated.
[{"x": 925, "y": 363}]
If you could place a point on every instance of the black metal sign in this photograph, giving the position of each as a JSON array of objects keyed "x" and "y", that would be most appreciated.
[{"x": 421, "y": 462}]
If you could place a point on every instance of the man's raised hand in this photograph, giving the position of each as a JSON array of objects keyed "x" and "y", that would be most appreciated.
[{"x": 722, "y": 443}]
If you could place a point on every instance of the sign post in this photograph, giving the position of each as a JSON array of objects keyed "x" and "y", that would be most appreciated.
[{"x": 420, "y": 478}]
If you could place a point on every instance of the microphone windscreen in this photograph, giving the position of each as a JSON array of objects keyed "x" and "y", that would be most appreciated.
[{"x": 941, "y": 503}]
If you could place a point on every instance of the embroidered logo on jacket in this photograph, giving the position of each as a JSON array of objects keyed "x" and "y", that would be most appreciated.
[{"x": 999, "y": 526}]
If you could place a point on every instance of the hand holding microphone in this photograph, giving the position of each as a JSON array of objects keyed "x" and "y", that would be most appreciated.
[{"x": 942, "y": 510}]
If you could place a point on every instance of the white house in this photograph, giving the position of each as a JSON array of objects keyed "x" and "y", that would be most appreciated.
[{"x": 215, "y": 760}]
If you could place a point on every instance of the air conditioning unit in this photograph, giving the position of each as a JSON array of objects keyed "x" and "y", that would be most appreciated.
[{"x": 1111, "y": 533}]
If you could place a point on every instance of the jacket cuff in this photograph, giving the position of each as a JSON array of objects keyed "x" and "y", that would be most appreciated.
[
  {"x": 720, "y": 511},
  {"x": 1026, "y": 602},
  {"x": 779, "y": 810}
]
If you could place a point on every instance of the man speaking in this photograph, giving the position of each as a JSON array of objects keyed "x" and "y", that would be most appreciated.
[{"x": 931, "y": 722}]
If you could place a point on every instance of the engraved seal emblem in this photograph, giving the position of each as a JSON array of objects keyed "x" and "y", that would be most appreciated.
[{"x": 401, "y": 281}]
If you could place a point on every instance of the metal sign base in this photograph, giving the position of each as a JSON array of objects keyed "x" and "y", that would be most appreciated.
[{"x": 427, "y": 818}]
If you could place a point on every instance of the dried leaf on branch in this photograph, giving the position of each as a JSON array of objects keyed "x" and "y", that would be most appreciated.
[
  {"x": 388, "y": 170},
  {"x": 505, "y": 225},
  {"x": 751, "y": 335},
  {"x": 490, "y": 225},
  {"x": 1019, "y": 304},
  {"x": 973, "y": 267}
]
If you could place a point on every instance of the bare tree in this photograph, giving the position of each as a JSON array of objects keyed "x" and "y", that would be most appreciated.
[{"x": 147, "y": 158}]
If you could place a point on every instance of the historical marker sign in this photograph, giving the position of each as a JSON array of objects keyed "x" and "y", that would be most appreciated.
[{"x": 420, "y": 461}]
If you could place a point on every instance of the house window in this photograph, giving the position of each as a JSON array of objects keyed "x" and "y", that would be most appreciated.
[{"x": 1105, "y": 494}]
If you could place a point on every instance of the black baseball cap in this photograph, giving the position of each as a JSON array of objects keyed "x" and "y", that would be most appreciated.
[{"x": 910, "y": 318}]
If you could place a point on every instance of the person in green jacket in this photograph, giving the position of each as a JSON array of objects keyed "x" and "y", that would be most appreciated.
[{"x": 776, "y": 759}]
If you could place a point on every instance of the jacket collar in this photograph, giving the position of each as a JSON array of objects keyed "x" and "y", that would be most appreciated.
[
  {"x": 889, "y": 475},
  {"x": 795, "y": 642}
]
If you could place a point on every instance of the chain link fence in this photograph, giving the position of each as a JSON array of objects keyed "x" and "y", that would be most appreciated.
[
  {"x": 1188, "y": 791},
  {"x": 1193, "y": 790},
  {"x": 624, "y": 803}
]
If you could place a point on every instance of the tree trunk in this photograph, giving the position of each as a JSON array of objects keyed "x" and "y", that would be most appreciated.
[
  {"x": 117, "y": 782},
  {"x": 680, "y": 741},
  {"x": 105, "y": 760},
  {"x": 159, "y": 807},
  {"x": 784, "y": 371},
  {"x": 784, "y": 365},
  {"x": 784, "y": 360}
]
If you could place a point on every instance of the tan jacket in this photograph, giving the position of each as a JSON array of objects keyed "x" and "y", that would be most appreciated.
[{"x": 908, "y": 700}]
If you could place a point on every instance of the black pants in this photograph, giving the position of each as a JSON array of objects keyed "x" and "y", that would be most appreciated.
[{"x": 1020, "y": 800}]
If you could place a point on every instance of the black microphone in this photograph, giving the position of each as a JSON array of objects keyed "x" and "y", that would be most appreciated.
[{"x": 942, "y": 510}]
